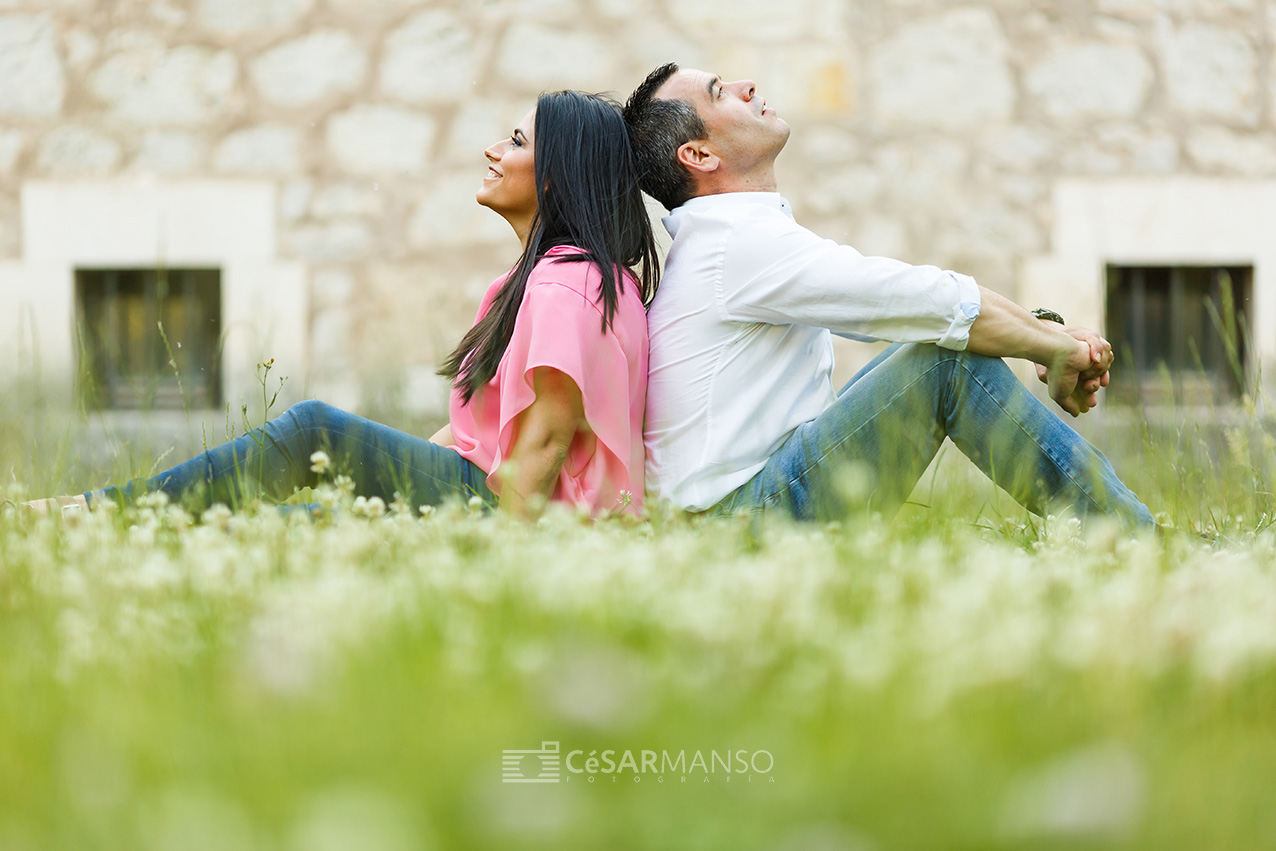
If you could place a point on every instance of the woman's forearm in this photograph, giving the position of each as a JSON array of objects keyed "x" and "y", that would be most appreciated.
[
  {"x": 544, "y": 434},
  {"x": 530, "y": 475}
]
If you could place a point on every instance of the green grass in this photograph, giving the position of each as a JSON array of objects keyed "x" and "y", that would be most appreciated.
[{"x": 961, "y": 677}]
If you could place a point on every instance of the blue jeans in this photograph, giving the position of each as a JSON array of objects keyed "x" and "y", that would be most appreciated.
[
  {"x": 274, "y": 460},
  {"x": 892, "y": 417}
]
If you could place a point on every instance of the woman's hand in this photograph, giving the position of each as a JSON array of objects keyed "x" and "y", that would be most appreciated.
[
  {"x": 543, "y": 433},
  {"x": 443, "y": 437}
]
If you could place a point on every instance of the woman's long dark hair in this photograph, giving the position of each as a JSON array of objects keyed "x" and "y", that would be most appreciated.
[{"x": 587, "y": 195}]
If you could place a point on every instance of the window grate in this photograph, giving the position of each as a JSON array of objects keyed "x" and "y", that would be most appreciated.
[
  {"x": 1179, "y": 333},
  {"x": 124, "y": 363}
]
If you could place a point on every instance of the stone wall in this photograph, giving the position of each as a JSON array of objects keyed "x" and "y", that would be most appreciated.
[{"x": 929, "y": 130}]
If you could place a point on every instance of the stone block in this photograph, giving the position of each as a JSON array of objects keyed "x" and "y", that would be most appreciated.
[
  {"x": 652, "y": 41},
  {"x": 826, "y": 145},
  {"x": 170, "y": 14},
  {"x": 1210, "y": 72},
  {"x": 479, "y": 123},
  {"x": 330, "y": 335},
  {"x": 419, "y": 311},
  {"x": 759, "y": 20},
  {"x": 182, "y": 86},
  {"x": 363, "y": 7},
  {"x": 537, "y": 9},
  {"x": 534, "y": 57},
  {"x": 80, "y": 150},
  {"x": 334, "y": 242},
  {"x": 169, "y": 151},
  {"x": 32, "y": 83},
  {"x": 376, "y": 140},
  {"x": 81, "y": 48},
  {"x": 881, "y": 237},
  {"x": 294, "y": 200},
  {"x": 1089, "y": 158},
  {"x": 922, "y": 171},
  {"x": 11, "y": 143},
  {"x": 990, "y": 228},
  {"x": 1017, "y": 147},
  {"x": 1082, "y": 81},
  {"x": 802, "y": 78},
  {"x": 1025, "y": 191},
  {"x": 51, "y": 5},
  {"x": 847, "y": 189},
  {"x": 948, "y": 71},
  {"x": 1147, "y": 8},
  {"x": 10, "y": 233},
  {"x": 242, "y": 17},
  {"x": 331, "y": 288},
  {"x": 265, "y": 149},
  {"x": 347, "y": 200},
  {"x": 432, "y": 58},
  {"x": 1217, "y": 149},
  {"x": 1144, "y": 149},
  {"x": 451, "y": 217},
  {"x": 310, "y": 69}
]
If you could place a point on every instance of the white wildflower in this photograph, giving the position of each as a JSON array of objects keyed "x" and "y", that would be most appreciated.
[
  {"x": 475, "y": 504},
  {"x": 154, "y": 500},
  {"x": 217, "y": 515},
  {"x": 1095, "y": 793},
  {"x": 327, "y": 497},
  {"x": 320, "y": 462},
  {"x": 365, "y": 506},
  {"x": 344, "y": 485},
  {"x": 426, "y": 510},
  {"x": 400, "y": 506}
]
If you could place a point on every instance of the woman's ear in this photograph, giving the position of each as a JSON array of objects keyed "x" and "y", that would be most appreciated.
[{"x": 698, "y": 156}]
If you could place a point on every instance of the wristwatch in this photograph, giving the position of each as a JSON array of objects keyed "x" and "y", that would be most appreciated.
[{"x": 1048, "y": 315}]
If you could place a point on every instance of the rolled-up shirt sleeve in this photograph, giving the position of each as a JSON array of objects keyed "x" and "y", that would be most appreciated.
[{"x": 777, "y": 271}]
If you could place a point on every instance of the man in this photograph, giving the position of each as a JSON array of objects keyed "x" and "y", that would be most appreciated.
[{"x": 741, "y": 410}]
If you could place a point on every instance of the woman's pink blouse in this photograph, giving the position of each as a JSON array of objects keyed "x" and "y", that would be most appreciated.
[{"x": 559, "y": 326}]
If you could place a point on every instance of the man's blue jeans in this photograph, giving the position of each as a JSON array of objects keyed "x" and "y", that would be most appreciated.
[
  {"x": 890, "y": 420},
  {"x": 274, "y": 460}
]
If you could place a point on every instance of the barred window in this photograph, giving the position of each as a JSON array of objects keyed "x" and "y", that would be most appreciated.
[
  {"x": 124, "y": 361},
  {"x": 1179, "y": 333}
]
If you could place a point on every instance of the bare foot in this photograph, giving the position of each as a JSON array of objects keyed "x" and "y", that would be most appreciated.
[{"x": 57, "y": 503}]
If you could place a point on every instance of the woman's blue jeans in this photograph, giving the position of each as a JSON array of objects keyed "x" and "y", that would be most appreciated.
[
  {"x": 274, "y": 460},
  {"x": 889, "y": 421}
]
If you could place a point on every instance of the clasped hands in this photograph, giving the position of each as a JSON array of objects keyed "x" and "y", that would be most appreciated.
[{"x": 1076, "y": 374}]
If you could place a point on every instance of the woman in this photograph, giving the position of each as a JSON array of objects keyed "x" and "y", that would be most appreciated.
[{"x": 548, "y": 387}]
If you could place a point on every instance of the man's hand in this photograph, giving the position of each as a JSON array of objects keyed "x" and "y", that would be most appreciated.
[
  {"x": 1073, "y": 361},
  {"x": 1076, "y": 376}
]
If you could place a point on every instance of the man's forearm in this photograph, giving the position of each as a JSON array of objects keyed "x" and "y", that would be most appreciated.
[{"x": 1006, "y": 330}]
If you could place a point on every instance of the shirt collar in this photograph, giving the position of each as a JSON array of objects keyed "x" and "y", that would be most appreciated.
[{"x": 725, "y": 200}]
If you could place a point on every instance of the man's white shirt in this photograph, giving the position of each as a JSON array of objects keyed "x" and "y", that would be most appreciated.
[{"x": 741, "y": 350}]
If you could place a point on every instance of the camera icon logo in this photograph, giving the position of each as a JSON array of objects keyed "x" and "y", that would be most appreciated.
[{"x": 532, "y": 765}]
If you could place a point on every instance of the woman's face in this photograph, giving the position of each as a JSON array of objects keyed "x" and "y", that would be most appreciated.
[{"x": 510, "y": 185}]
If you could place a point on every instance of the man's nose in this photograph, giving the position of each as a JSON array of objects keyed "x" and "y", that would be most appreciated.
[{"x": 746, "y": 88}]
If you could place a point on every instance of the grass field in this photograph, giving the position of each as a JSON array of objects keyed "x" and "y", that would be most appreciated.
[{"x": 960, "y": 677}]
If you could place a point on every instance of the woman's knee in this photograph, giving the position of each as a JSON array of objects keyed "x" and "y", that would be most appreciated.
[{"x": 313, "y": 414}]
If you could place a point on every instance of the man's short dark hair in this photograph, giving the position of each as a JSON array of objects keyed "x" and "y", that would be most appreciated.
[{"x": 657, "y": 129}]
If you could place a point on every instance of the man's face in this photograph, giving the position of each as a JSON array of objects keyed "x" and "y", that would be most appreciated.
[{"x": 743, "y": 129}]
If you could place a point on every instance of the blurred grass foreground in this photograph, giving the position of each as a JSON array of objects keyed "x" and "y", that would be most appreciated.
[{"x": 960, "y": 677}]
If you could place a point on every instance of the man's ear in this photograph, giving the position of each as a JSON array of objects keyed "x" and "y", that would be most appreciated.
[{"x": 698, "y": 156}]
